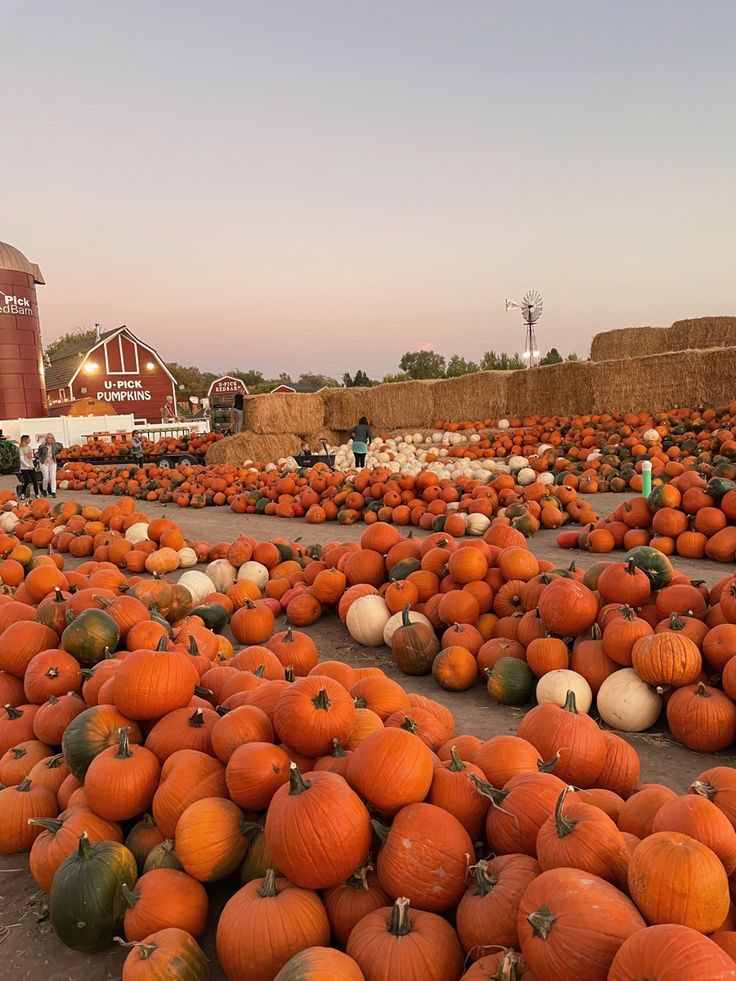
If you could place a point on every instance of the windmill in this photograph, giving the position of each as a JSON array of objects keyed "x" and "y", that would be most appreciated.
[{"x": 531, "y": 310}]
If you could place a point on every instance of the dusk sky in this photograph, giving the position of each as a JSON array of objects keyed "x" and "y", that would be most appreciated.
[{"x": 323, "y": 186}]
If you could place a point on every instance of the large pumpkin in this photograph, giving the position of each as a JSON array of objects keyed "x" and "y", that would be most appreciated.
[
  {"x": 414, "y": 646},
  {"x": 399, "y": 943},
  {"x": 121, "y": 780},
  {"x": 264, "y": 924},
  {"x": 391, "y": 768},
  {"x": 89, "y": 636},
  {"x": 311, "y": 713},
  {"x": 571, "y": 925},
  {"x": 672, "y": 953},
  {"x": 18, "y": 806},
  {"x": 575, "y": 739},
  {"x": 164, "y": 898},
  {"x": 567, "y": 607},
  {"x": 86, "y": 904},
  {"x": 149, "y": 684},
  {"x": 317, "y": 829},
  {"x": 698, "y": 817},
  {"x": 211, "y": 838},
  {"x": 186, "y": 776},
  {"x": 675, "y": 879},
  {"x": 519, "y": 811},
  {"x": 626, "y": 702},
  {"x": 654, "y": 563},
  {"x": 424, "y": 857},
  {"x": 92, "y": 731},
  {"x": 702, "y": 718},
  {"x": 59, "y": 838},
  {"x": 666, "y": 658}
]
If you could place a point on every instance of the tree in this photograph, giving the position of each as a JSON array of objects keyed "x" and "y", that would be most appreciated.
[
  {"x": 70, "y": 342},
  {"x": 500, "y": 362},
  {"x": 190, "y": 380},
  {"x": 251, "y": 379},
  {"x": 423, "y": 364},
  {"x": 457, "y": 365},
  {"x": 311, "y": 382},
  {"x": 572, "y": 357},
  {"x": 552, "y": 356},
  {"x": 359, "y": 380},
  {"x": 399, "y": 376}
]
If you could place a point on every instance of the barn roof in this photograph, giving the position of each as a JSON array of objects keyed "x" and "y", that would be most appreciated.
[{"x": 61, "y": 370}]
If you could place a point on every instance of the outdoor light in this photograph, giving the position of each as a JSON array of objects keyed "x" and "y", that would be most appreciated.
[
  {"x": 90, "y": 368},
  {"x": 150, "y": 365}
]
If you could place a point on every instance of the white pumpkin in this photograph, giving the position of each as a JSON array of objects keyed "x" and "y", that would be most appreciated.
[
  {"x": 254, "y": 572},
  {"x": 477, "y": 524},
  {"x": 8, "y": 521},
  {"x": 545, "y": 478},
  {"x": 187, "y": 557},
  {"x": 518, "y": 462},
  {"x": 503, "y": 424},
  {"x": 526, "y": 476},
  {"x": 651, "y": 436},
  {"x": 367, "y": 619},
  {"x": 394, "y": 622},
  {"x": 198, "y": 584},
  {"x": 554, "y": 686},
  {"x": 137, "y": 532},
  {"x": 626, "y": 702},
  {"x": 222, "y": 573}
]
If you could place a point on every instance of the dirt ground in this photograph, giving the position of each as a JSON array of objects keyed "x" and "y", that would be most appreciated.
[{"x": 28, "y": 946}]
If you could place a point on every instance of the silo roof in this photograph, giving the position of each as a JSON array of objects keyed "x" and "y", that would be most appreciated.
[{"x": 14, "y": 260}]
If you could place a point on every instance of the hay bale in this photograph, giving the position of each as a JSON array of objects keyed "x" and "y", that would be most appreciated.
[
  {"x": 554, "y": 389},
  {"x": 481, "y": 395},
  {"x": 284, "y": 413},
  {"x": 683, "y": 335},
  {"x": 392, "y": 406},
  {"x": 665, "y": 381},
  {"x": 258, "y": 447}
]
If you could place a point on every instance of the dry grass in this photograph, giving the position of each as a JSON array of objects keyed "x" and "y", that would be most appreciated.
[
  {"x": 256, "y": 447},
  {"x": 402, "y": 404},
  {"x": 556, "y": 389},
  {"x": 299, "y": 414},
  {"x": 684, "y": 335},
  {"x": 481, "y": 395}
]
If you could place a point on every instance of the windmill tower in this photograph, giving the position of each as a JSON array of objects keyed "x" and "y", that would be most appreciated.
[{"x": 531, "y": 306}]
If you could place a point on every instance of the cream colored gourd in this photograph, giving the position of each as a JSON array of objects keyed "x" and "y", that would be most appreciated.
[
  {"x": 187, "y": 557},
  {"x": 137, "y": 532},
  {"x": 554, "y": 686},
  {"x": 222, "y": 573},
  {"x": 626, "y": 702},
  {"x": 254, "y": 572},
  {"x": 197, "y": 583},
  {"x": 477, "y": 524},
  {"x": 367, "y": 619}
]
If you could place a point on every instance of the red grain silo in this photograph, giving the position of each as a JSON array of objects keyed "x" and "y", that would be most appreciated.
[{"x": 22, "y": 391}]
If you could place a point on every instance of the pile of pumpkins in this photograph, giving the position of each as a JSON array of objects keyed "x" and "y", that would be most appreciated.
[
  {"x": 357, "y": 834},
  {"x": 688, "y": 516},
  {"x": 196, "y": 444}
]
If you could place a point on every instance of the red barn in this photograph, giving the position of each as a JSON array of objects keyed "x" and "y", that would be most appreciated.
[
  {"x": 283, "y": 390},
  {"x": 118, "y": 369}
]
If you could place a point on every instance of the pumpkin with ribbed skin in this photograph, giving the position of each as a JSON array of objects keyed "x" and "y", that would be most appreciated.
[
  {"x": 581, "y": 836},
  {"x": 654, "y": 563},
  {"x": 414, "y": 646},
  {"x": 675, "y": 879},
  {"x": 18, "y": 805},
  {"x": 305, "y": 821},
  {"x": 21, "y": 642},
  {"x": 18, "y": 761},
  {"x": 671, "y": 953},
  {"x": 50, "y": 772},
  {"x": 186, "y": 776},
  {"x": 142, "y": 838},
  {"x": 121, "y": 780},
  {"x": 164, "y": 898},
  {"x": 294, "y": 649},
  {"x": 424, "y": 857},
  {"x": 353, "y": 899},
  {"x": 667, "y": 658},
  {"x": 258, "y": 859},
  {"x": 624, "y": 583},
  {"x": 702, "y": 718},
  {"x": 58, "y": 838},
  {"x": 637, "y": 815},
  {"x": 718, "y": 785},
  {"x": 211, "y": 838},
  {"x": 398, "y": 942},
  {"x": 149, "y": 684},
  {"x": 89, "y": 635},
  {"x": 453, "y": 790},
  {"x": 51, "y": 672},
  {"x": 621, "y": 769},
  {"x": 571, "y": 925},
  {"x": 311, "y": 713},
  {"x": 320, "y": 964},
  {"x": 698, "y": 817},
  {"x": 166, "y": 955},
  {"x": 504, "y": 965},
  {"x": 240, "y": 726},
  {"x": 55, "y": 715},
  {"x": 503, "y": 757},
  {"x": 576, "y": 738},
  {"x": 510, "y": 681},
  {"x": 567, "y": 607},
  {"x": 162, "y": 856},
  {"x": 86, "y": 905},
  {"x": 184, "y": 728},
  {"x": 486, "y": 915},
  {"x": 91, "y": 732},
  {"x": 390, "y": 769},
  {"x": 264, "y": 924},
  {"x": 380, "y": 694},
  {"x": 520, "y": 810},
  {"x": 255, "y": 771}
]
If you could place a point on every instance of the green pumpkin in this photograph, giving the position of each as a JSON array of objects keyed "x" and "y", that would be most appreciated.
[
  {"x": 214, "y": 615},
  {"x": 89, "y": 635},
  {"x": 86, "y": 904},
  {"x": 511, "y": 681},
  {"x": 414, "y": 646},
  {"x": 403, "y": 569},
  {"x": 718, "y": 486},
  {"x": 258, "y": 860},
  {"x": 261, "y": 505},
  {"x": 162, "y": 856},
  {"x": 653, "y": 562},
  {"x": 92, "y": 731},
  {"x": 439, "y": 522}
]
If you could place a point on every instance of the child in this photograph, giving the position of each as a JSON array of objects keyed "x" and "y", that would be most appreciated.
[{"x": 136, "y": 448}]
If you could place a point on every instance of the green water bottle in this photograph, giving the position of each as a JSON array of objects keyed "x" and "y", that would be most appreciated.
[{"x": 646, "y": 478}]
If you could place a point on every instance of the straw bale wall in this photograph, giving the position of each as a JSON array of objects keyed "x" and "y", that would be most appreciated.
[
  {"x": 284, "y": 413},
  {"x": 257, "y": 447},
  {"x": 481, "y": 395},
  {"x": 556, "y": 389},
  {"x": 387, "y": 406},
  {"x": 684, "y": 335}
]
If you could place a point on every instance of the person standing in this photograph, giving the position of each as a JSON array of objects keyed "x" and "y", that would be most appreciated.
[
  {"x": 236, "y": 413},
  {"x": 362, "y": 435},
  {"x": 28, "y": 472},
  {"x": 48, "y": 453},
  {"x": 136, "y": 448}
]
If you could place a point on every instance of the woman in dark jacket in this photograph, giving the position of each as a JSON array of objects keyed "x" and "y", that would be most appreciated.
[{"x": 362, "y": 436}]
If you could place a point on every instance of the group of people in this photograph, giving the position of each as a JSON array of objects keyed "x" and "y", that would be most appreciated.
[{"x": 38, "y": 468}]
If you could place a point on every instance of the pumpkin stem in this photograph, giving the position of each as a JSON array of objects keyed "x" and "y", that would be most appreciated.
[
  {"x": 547, "y": 766},
  {"x": 145, "y": 950},
  {"x": 297, "y": 783},
  {"x": 399, "y": 923},
  {"x": 541, "y": 922},
  {"x": 84, "y": 849},
  {"x": 193, "y": 645},
  {"x": 456, "y": 763},
  {"x": 359, "y": 879},
  {"x": 288, "y": 636},
  {"x": 595, "y": 632},
  {"x": 496, "y": 797},
  {"x": 631, "y": 567},
  {"x": 52, "y": 673},
  {"x": 405, "y": 621},
  {"x": 562, "y": 825},
  {"x": 162, "y": 644},
  {"x": 289, "y": 673},
  {"x": 570, "y": 705},
  {"x": 196, "y": 718},
  {"x": 359, "y": 703},
  {"x": 702, "y": 691},
  {"x": 13, "y": 712},
  {"x": 24, "y": 786},
  {"x": 123, "y": 752},
  {"x": 268, "y": 889},
  {"x": 703, "y": 789},
  {"x": 380, "y": 829},
  {"x": 483, "y": 882},
  {"x": 337, "y": 749},
  {"x": 627, "y": 613},
  {"x": 18, "y": 752},
  {"x": 130, "y": 897},
  {"x": 322, "y": 700},
  {"x": 49, "y": 824},
  {"x": 409, "y": 724},
  {"x": 260, "y": 671},
  {"x": 55, "y": 761}
]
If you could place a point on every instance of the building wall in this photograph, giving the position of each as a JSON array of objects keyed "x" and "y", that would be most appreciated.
[
  {"x": 127, "y": 377},
  {"x": 22, "y": 392}
]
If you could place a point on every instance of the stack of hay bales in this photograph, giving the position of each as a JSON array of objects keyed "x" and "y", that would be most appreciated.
[
  {"x": 554, "y": 389},
  {"x": 699, "y": 333},
  {"x": 481, "y": 395},
  {"x": 395, "y": 406}
]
